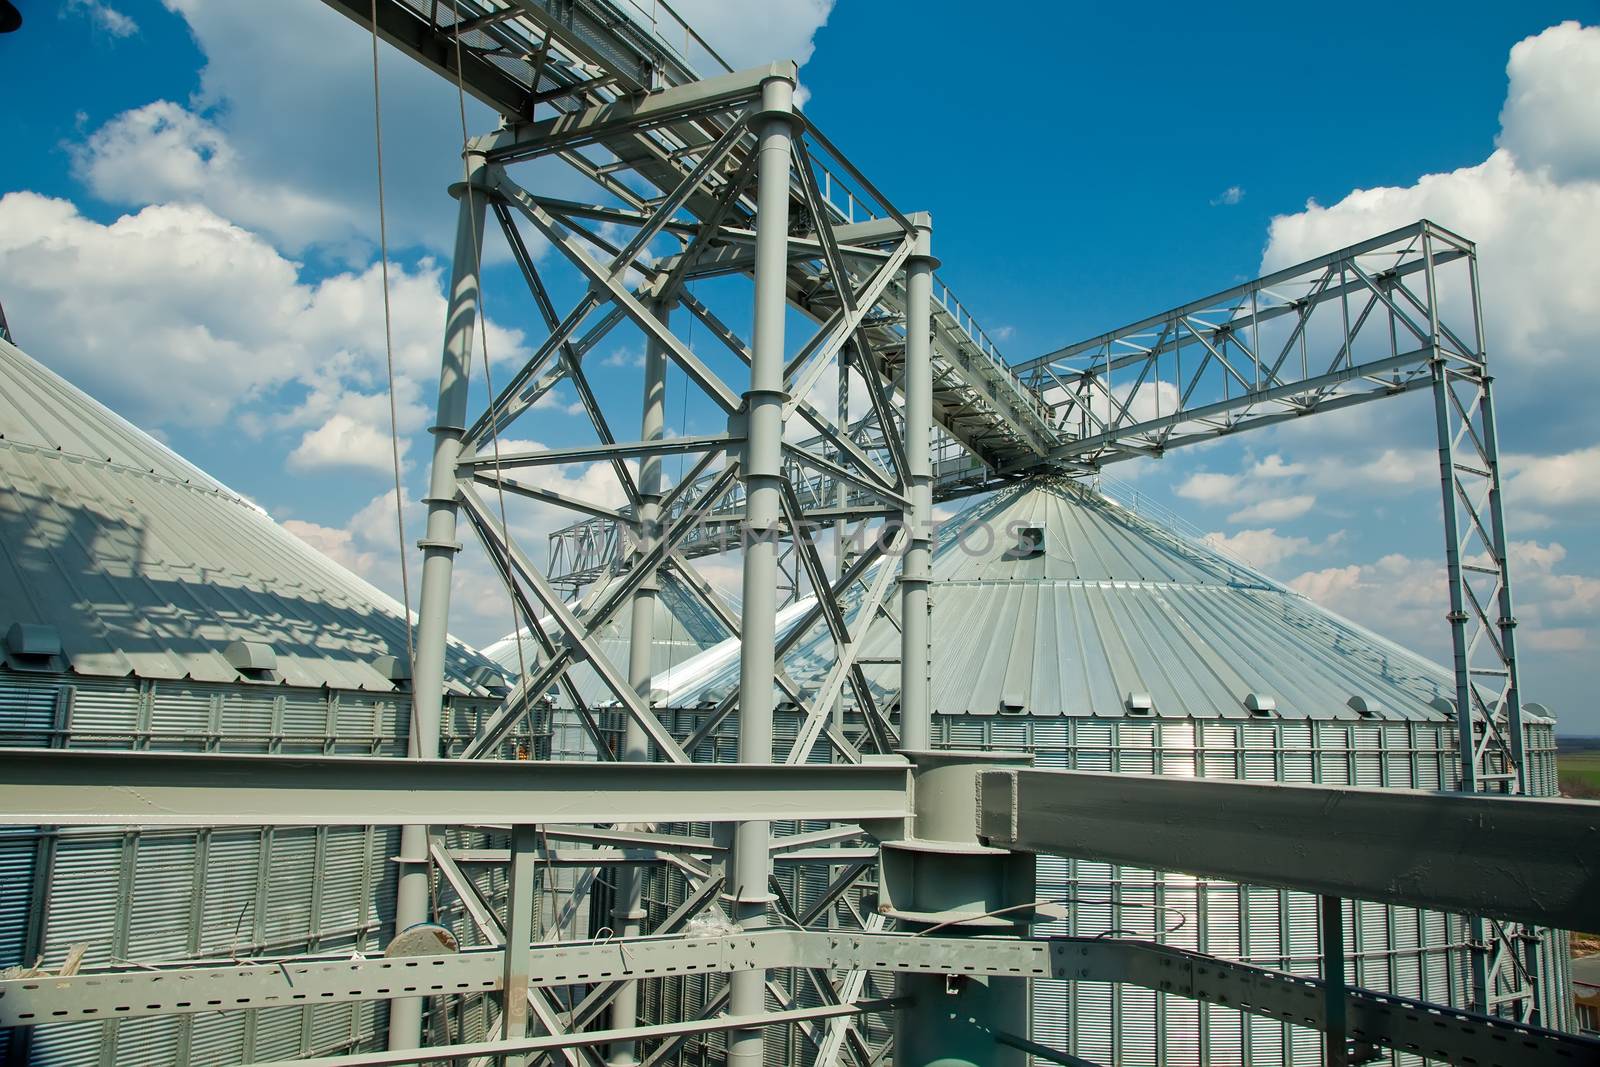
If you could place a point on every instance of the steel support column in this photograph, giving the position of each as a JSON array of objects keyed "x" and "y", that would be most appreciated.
[
  {"x": 628, "y": 912},
  {"x": 1504, "y": 961},
  {"x": 942, "y": 878},
  {"x": 520, "y": 932},
  {"x": 1335, "y": 1026},
  {"x": 763, "y": 407},
  {"x": 439, "y": 547},
  {"x": 916, "y": 570}
]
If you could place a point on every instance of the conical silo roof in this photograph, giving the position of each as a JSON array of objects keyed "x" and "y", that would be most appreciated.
[
  {"x": 137, "y": 563},
  {"x": 683, "y": 629},
  {"x": 1051, "y": 599}
]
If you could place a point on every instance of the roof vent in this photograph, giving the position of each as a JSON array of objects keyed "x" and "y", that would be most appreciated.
[
  {"x": 33, "y": 646},
  {"x": 1444, "y": 706},
  {"x": 1260, "y": 704},
  {"x": 398, "y": 670},
  {"x": 1139, "y": 704},
  {"x": 1029, "y": 543},
  {"x": 1364, "y": 706},
  {"x": 253, "y": 659},
  {"x": 1013, "y": 704}
]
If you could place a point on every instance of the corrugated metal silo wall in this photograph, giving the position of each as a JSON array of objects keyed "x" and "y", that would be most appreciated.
[
  {"x": 147, "y": 896},
  {"x": 1407, "y": 951}
]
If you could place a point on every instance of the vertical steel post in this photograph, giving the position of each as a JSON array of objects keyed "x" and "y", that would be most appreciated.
[
  {"x": 1335, "y": 1027},
  {"x": 916, "y": 570},
  {"x": 628, "y": 912},
  {"x": 1506, "y": 623},
  {"x": 761, "y": 473},
  {"x": 439, "y": 547},
  {"x": 519, "y": 939},
  {"x": 942, "y": 878},
  {"x": 841, "y": 498}
]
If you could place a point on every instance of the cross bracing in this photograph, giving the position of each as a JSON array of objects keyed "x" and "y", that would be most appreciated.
[{"x": 703, "y": 181}]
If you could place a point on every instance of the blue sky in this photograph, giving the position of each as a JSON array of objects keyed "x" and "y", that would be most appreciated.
[{"x": 188, "y": 231}]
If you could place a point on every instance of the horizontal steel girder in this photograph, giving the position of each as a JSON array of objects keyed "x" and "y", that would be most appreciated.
[
  {"x": 475, "y": 1049},
  {"x": 77, "y": 787},
  {"x": 1517, "y": 858},
  {"x": 1439, "y": 1033}
]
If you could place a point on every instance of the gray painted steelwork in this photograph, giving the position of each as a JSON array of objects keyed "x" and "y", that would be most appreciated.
[
  {"x": 74, "y": 788},
  {"x": 630, "y": 115},
  {"x": 1448, "y": 852},
  {"x": 1393, "y": 1022}
]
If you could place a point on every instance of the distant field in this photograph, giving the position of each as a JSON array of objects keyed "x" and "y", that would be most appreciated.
[{"x": 1580, "y": 773}]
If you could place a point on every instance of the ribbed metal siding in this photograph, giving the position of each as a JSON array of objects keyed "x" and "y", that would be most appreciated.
[
  {"x": 1401, "y": 950},
  {"x": 163, "y": 895}
]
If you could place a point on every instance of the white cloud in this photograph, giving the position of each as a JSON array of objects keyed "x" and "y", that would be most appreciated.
[
  {"x": 1548, "y": 121},
  {"x": 103, "y": 16},
  {"x": 175, "y": 317},
  {"x": 1211, "y": 487},
  {"x": 754, "y": 32},
  {"x": 1406, "y": 598},
  {"x": 1563, "y": 480},
  {"x": 1276, "y": 509},
  {"x": 337, "y": 544},
  {"x": 342, "y": 441},
  {"x": 162, "y": 152},
  {"x": 1533, "y": 207},
  {"x": 1228, "y": 197},
  {"x": 1264, "y": 548},
  {"x": 243, "y": 147}
]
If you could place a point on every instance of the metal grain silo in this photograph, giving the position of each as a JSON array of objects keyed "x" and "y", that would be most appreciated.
[
  {"x": 1100, "y": 638},
  {"x": 1109, "y": 642},
  {"x": 144, "y": 605}
]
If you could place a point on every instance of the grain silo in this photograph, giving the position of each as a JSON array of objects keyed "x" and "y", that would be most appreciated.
[
  {"x": 1100, "y": 639},
  {"x": 144, "y": 605}
]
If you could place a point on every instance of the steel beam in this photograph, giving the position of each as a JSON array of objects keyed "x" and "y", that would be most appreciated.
[
  {"x": 916, "y": 568},
  {"x": 1515, "y": 858},
  {"x": 439, "y": 547},
  {"x": 630, "y": 115},
  {"x": 762, "y": 474},
  {"x": 1433, "y": 1031},
  {"x": 84, "y": 787},
  {"x": 525, "y": 1046}
]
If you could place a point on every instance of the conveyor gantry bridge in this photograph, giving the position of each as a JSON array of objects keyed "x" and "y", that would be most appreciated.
[
  {"x": 627, "y": 107},
  {"x": 722, "y": 177}
]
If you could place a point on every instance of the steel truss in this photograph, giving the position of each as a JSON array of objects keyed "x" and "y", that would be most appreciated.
[
  {"x": 747, "y": 187},
  {"x": 1394, "y": 314},
  {"x": 716, "y": 179},
  {"x": 1367, "y": 850}
]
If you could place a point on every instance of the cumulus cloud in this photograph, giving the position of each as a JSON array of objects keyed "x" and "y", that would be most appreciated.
[
  {"x": 242, "y": 145},
  {"x": 749, "y": 34},
  {"x": 1275, "y": 509},
  {"x": 1228, "y": 197},
  {"x": 343, "y": 441},
  {"x": 1277, "y": 489},
  {"x": 1566, "y": 479},
  {"x": 162, "y": 152},
  {"x": 1548, "y": 121},
  {"x": 1264, "y": 548},
  {"x": 1533, "y": 207},
  {"x": 194, "y": 321},
  {"x": 1406, "y": 598}
]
